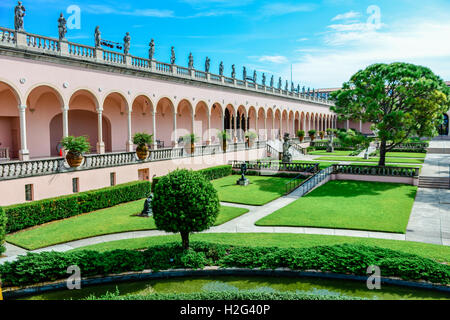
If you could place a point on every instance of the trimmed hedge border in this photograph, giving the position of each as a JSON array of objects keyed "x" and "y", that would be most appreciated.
[
  {"x": 212, "y": 173},
  {"x": 3, "y": 220},
  {"x": 346, "y": 259},
  {"x": 35, "y": 213}
]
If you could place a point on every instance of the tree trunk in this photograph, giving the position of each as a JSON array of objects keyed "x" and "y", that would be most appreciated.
[
  {"x": 382, "y": 162},
  {"x": 185, "y": 240}
]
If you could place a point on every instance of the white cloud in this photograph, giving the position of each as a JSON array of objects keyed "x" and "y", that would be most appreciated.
[
  {"x": 346, "y": 16},
  {"x": 344, "y": 53},
  {"x": 273, "y": 59},
  {"x": 278, "y": 9},
  {"x": 103, "y": 9}
]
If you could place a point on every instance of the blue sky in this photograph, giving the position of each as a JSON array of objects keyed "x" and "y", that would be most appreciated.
[{"x": 324, "y": 41}]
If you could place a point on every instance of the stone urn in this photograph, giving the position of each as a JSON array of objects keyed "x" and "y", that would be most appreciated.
[
  {"x": 74, "y": 160},
  {"x": 142, "y": 152}
]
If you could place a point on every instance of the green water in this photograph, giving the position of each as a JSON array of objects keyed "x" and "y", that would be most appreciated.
[{"x": 269, "y": 284}]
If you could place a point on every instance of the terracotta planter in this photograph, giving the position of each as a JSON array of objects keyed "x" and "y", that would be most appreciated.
[
  {"x": 74, "y": 160},
  {"x": 142, "y": 152},
  {"x": 192, "y": 148},
  {"x": 224, "y": 146},
  {"x": 312, "y": 137},
  {"x": 301, "y": 139}
]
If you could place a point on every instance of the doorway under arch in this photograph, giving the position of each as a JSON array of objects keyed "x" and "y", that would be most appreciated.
[{"x": 444, "y": 127}]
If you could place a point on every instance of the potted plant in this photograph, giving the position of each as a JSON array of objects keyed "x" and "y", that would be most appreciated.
[
  {"x": 224, "y": 137},
  {"x": 301, "y": 135},
  {"x": 312, "y": 134},
  {"x": 321, "y": 134},
  {"x": 190, "y": 140},
  {"x": 250, "y": 136},
  {"x": 142, "y": 140},
  {"x": 75, "y": 147}
]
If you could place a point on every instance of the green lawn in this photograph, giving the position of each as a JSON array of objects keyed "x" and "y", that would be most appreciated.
[
  {"x": 432, "y": 251},
  {"x": 349, "y": 205},
  {"x": 335, "y": 153},
  {"x": 121, "y": 218},
  {"x": 406, "y": 155},
  {"x": 322, "y": 164},
  {"x": 262, "y": 189},
  {"x": 357, "y": 159},
  {"x": 340, "y": 153}
]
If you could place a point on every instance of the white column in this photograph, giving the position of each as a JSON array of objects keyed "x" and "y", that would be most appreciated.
[
  {"x": 24, "y": 154},
  {"x": 130, "y": 138},
  {"x": 65, "y": 120},
  {"x": 256, "y": 127},
  {"x": 360, "y": 126},
  {"x": 347, "y": 124},
  {"x": 208, "y": 129},
  {"x": 175, "y": 135},
  {"x": 100, "y": 143},
  {"x": 273, "y": 127},
  {"x": 266, "y": 135},
  {"x": 304, "y": 124},
  {"x": 155, "y": 145},
  {"x": 235, "y": 128}
]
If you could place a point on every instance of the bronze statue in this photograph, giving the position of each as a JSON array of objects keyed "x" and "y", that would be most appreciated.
[
  {"x": 172, "y": 56},
  {"x": 207, "y": 64},
  {"x": 98, "y": 37},
  {"x": 221, "y": 68},
  {"x": 190, "y": 61},
  {"x": 19, "y": 13},
  {"x": 151, "y": 50},
  {"x": 233, "y": 71}
]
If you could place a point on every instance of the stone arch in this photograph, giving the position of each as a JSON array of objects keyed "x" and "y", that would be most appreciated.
[
  {"x": 262, "y": 124},
  {"x": 10, "y": 139},
  {"x": 165, "y": 122},
  {"x": 217, "y": 121},
  {"x": 115, "y": 107},
  {"x": 142, "y": 115},
  {"x": 201, "y": 117}
]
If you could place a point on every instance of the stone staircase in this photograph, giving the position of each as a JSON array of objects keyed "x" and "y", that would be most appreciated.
[{"x": 434, "y": 182}]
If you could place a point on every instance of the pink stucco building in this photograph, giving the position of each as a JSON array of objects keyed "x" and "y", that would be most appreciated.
[{"x": 51, "y": 88}]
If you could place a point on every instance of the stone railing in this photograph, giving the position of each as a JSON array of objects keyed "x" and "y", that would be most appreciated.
[
  {"x": 277, "y": 166},
  {"x": 22, "y": 169},
  {"x": 376, "y": 171},
  {"x": 4, "y": 154},
  {"x": 307, "y": 185},
  {"x": 41, "y": 44}
]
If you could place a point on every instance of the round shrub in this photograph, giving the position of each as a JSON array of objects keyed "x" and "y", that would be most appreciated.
[
  {"x": 2, "y": 229},
  {"x": 185, "y": 202}
]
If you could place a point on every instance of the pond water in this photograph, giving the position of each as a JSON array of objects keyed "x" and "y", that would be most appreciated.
[{"x": 268, "y": 284}]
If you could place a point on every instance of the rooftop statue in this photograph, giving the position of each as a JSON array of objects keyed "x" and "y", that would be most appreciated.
[
  {"x": 98, "y": 37},
  {"x": 271, "y": 81},
  {"x": 244, "y": 74},
  {"x": 126, "y": 43},
  {"x": 151, "y": 50},
  {"x": 286, "y": 86},
  {"x": 233, "y": 71},
  {"x": 298, "y": 88},
  {"x": 207, "y": 64},
  {"x": 190, "y": 61},
  {"x": 255, "y": 76},
  {"x": 172, "y": 55},
  {"x": 292, "y": 87},
  {"x": 221, "y": 68},
  {"x": 264, "y": 79},
  {"x": 279, "y": 83},
  {"x": 62, "y": 27},
  {"x": 19, "y": 13}
]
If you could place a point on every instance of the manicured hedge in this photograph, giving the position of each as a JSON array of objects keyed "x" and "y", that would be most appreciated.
[
  {"x": 344, "y": 259},
  {"x": 30, "y": 214},
  {"x": 212, "y": 173},
  {"x": 222, "y": 295},
  {"x": 278, "y": 174},
  {"x": 2, "y": 230}
]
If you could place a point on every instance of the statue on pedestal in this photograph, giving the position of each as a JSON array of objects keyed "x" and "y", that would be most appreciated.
[
  {"x": 255, "y": 76},
  {"x": 244, "y": 74},
  {"x": 271, "y": 81},
  {"x": 330, "y": 147},
  {"x": 126, "y": 43},
  {"x": 243, "y": 181},
  {"x": 190, "y": 61},
  {"x": 287, "y": 157},
  {"x": 62, "y": 27},
  {"x": 207, "y": 64},
  {"x": 233, "y": 71},
  {"x": 98, "y": 37},
  {"x": 172, "y": 55},
  {"x": 221, "y": 68},
  {"x": 279, "y": 84},
  {"x": 264, "y": 79},
  {"x": 19, "y": 13},
  {"x": 151, "y": 50}
]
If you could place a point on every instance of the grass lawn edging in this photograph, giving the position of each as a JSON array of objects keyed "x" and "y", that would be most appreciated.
[{"x": 354, "y": 260}]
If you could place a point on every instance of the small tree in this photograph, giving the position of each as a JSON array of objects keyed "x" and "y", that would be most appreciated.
[
  {"x": 401, "y": 100},
  {"x": 2, "y": 230},
  {"x": 142, "y": 139},
  {"x": 185, "y": 202},
  {"x": 76, "y": 145}
]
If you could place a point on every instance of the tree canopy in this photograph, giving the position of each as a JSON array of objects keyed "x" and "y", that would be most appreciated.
[{"x": 401, "y": 100}]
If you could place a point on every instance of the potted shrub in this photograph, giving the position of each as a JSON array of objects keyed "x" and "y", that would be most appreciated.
[
  {"x": 250, "y": 136},
  {"x": 190, "y": 140},
  {"x": 321, "y": 134},
  {"x": 75, "y": 147},
  {"x": 312, "y": 134},
  {"x": 331, "y": 132},
  {"x": 224, "y": 137},
  {"x": 301, "y": 135},
  {"x": 142, "y": 140}
]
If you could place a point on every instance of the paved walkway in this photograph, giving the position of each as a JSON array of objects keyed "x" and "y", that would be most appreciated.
[{"x": 430, "y": 216}]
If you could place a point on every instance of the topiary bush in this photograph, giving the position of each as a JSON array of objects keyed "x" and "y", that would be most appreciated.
[
  {"x": 3, "y": 220},
  {"x": 185, "y": 202}
]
